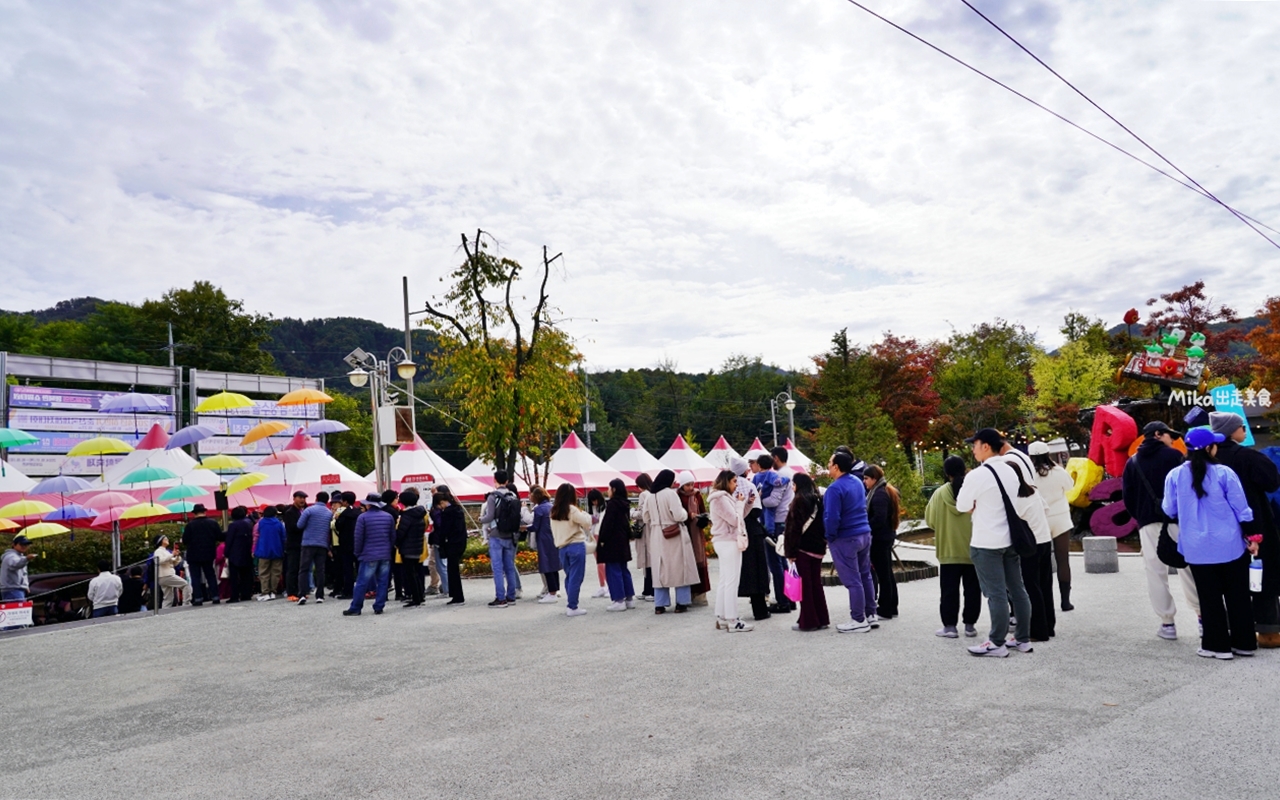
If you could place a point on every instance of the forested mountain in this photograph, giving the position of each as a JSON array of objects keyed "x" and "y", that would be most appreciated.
[{"x": 314, "y": 348}]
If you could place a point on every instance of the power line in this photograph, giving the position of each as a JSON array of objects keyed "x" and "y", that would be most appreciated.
[
  {"x": 1242, "y": 217},
  {"x": 1195, "y": 188}
]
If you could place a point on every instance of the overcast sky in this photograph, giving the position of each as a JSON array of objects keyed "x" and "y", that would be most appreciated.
[{"x": 723, "y": 176}]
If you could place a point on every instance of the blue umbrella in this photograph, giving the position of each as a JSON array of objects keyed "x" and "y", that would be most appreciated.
[
  {"x": 62, "y": 484},
  {"x": 133, "y": 403},
  {"x": 326, "y": 426},
  {"x": 70, "y": 513},
  {"x": 189, "y": 435}
]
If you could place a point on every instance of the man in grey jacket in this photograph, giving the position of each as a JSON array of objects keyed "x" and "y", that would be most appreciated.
[{"x": 13, "y": 572}]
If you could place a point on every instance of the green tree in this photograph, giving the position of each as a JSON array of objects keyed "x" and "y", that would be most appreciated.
[
  {"x": 211, "y": 330},
  {"x": 512, "y": 379},
  {"x": 983, "y": 378},
  {"x": 351, "y": 448}
]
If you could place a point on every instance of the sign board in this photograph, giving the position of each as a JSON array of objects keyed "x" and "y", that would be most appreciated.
[
  {"x": 424, "y": 482},
  {"x": 231, "y": 446},
  {"x": 15, "y": 612},
  {"x": 239, "y": 426},
  {"x": 69, "y": 399},
  {"x": 39, "y": 465},
  {"x": 29, "y": 419},
  {"x": 395, "y": 425},
  {"x": 330, "y": 480},
  {"x": 1227, "y": 399},
  {"x": 267, "y": 409},
  {"x": 60, "y": 442}
]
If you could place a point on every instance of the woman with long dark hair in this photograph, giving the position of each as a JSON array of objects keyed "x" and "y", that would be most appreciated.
[
  {"x": 613, "y": 551},
  {"x": 1053, "y": 483},
  {"x": 452, "y": 532},
  {"x": 670, "y": 553},
  {"x": 540, "y": 532},
  {"x": 570, "y": 526},
  {"x": 805, "y": 542},
  {"x": 952, "y": 530},
  {"x": 1209, "y": 503},
  {"x": 595, "y": 507}
]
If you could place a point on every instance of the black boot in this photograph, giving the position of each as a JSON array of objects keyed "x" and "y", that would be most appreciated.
[{"x": 1065, "y": 590}]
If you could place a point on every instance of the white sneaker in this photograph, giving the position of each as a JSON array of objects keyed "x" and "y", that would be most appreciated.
[
  {"x": 603, "y": 591},
  {"x": 1211, "y": 654},
  {"x": 873, "y": 620},
  {"x": 947, "y": 632},
  {"x": 738, "y": 626},
  {"x": 1169, "y": 632},
  {"x": 989, "y": 650},
  {"x": 631, "y": 603},
  {"x": 648, "y": 598},
  {"x": 548, "y": 599},
  {"x": 574, "y": 612},
  {"x": 853, "y": 626},
  {"x": 618, "y": 606}
]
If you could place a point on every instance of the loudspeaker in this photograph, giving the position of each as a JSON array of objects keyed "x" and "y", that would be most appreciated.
[{"x": 220, "y": 501}]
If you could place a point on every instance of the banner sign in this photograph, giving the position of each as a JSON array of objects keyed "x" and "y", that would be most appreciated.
[
  {"x": 267, "y": 409},
  {"x": 239, "y": 426},
  {"x": 232, "y": 447},
  {"x": 36, "y": 465},
  {"x": 15, "y": 612},
  {"x": 85, "y": 421},
  {"x": 70, "y": 399},
  {"x": 61, "y": 442}
]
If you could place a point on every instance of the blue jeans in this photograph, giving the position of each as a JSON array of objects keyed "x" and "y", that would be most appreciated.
[
  {"x": 618, "y": 576},
  {"x": 573, "y": 558},
  {"x": 105, "y": 611},
  {"x": 852, "y": 557},
  {"x": 777, "y": 566},
  {"x": 369, "y": 572},
  {"x": 502, "y": 555},
  {"x": 442, "y": 569},
  {"x": 662, "y": 596},
  {"x": 1000, "y": 576}
]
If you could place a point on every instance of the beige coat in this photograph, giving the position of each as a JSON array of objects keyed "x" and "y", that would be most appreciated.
[
  {"x": 642, "y": 544},
  {"x": 671, "y": 560}
]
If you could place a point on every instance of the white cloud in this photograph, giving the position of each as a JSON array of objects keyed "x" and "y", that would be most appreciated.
[{"x": 722, "y": 176}]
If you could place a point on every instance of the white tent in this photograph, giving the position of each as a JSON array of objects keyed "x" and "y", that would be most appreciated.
[
  {"x": 482, "y": 472},
  {"x": 12, "y": 479},
  {"x": 317, "y": 471},
  {"x": 756, "y": 450},
  {"x": 720, "y": 454},
  {"x": 418, "y": 461},
  {"x": 632, "y": 459},
  {"x": 577, "y": 465},
  {"x": 681, "y": 457},
  {"x": 151, "y": 453},
  {"x": 797, "y": 460}
]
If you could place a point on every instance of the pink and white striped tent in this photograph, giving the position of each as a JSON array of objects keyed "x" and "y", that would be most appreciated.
[
  {"x": 720, "y": 454},
  {"x": 577, "y": 465},
  {"x": 797, "y": 460},
  {"x": 482, "y": 472},
  {"x": 420, "y": 464},
  {"x": 681, "y": 457},
  {"x": 632, "y": 459},
  {"x": 755, "y": 450},
  {"x": 317, "y": 471}
]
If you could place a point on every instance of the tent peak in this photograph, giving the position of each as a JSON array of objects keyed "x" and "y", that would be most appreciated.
[{"x": 155, "y": 439}]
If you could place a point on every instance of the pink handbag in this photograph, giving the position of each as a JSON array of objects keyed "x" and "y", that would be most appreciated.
[{"x": 791, "y": 585}]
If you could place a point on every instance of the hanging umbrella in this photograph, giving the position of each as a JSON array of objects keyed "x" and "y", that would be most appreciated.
[
  {"x": 189, "y": 435},
  {"x": 8, "y": 525},
  {"x": 100, "y": 446},
  {"x": 25, "y": 511},
  {"x": 43, "y": 529},
  {"x": 149, "y": 475},
  {"x": 12, "y": 437},
  {"x": 304, "y": 397},
  {"x": 182, "y": 507},
  {"x": 182, "y": 492},
  {"x": 109, "y": 500},
  {"x": 72, "y": 515},
  {"x": 223, "y": 463},
  {"x": 264, "y": 430},
  {"x": 326, "y": 426},
  {"x": 145, "y": 511},
  {"x": 244, "y": 482},
  {"x": 283, "y": 457},
  {"x": 224, "y": 401},
  {"x": 62, "y": 484},
  {"x": 132, "y": 403}
]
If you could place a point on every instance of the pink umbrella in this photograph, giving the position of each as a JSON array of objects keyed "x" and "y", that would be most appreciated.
[{"x": 108, "y": 500}]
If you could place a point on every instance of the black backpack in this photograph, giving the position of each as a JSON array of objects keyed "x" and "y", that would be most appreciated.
[{"x": 507, "y": 513}]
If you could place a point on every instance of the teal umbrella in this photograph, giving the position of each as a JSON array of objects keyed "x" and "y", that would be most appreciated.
[
  {"x": 182, "y": 491},
  {"x": 149, "y": 475},
  {"x": 12, "y": 437}
]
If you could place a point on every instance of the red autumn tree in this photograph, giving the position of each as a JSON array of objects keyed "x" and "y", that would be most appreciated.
[
  {"x": 1266, "y": 340},
  {"x": 1192, "y": 311},
  {"x": 904, "y": 373}
]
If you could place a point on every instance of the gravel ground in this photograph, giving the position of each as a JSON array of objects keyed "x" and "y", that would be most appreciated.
[{"x": 265, "y": 700}]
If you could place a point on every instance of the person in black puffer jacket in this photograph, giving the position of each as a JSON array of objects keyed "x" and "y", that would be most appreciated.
[
  {"x": 411, "y": 533},
  {"x": 239, "y": 553},
  {"x": 451, "y": 532}
]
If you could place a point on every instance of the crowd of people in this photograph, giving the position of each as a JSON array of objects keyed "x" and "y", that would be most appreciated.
[{"x": 1002, "y": 530}]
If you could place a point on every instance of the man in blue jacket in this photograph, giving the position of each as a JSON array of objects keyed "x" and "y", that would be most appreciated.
[
  {"x": 375, "y": 542},
  {"x": 313, "y": 523},
  {"x": 844, "y": 515}
]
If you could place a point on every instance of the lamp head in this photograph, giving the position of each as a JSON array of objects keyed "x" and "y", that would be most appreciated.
[
  {"x": 789, "y": 404},
  {"x": 406, "y": 369},
  {"x": 358, "y": 377}
]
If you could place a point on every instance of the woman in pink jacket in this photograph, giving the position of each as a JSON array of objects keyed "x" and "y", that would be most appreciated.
[{"x": 729, "y": 538}]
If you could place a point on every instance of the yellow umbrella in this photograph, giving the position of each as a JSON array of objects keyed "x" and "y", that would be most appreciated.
[
  {"x": 25, "y": 510},
  {"x": 223, "y": 462},
  {"x": 7, "y": 525},
  {"x": 45, "y": 529},
  {"x": 263, "y": 430},
  {"x": 304, "y": 397},
  {"x": 244, "y": 482},
  {"x": 224, "y": 401},
  {"x": 100, "y": 446},
  {"x": 146, "y": 510}
]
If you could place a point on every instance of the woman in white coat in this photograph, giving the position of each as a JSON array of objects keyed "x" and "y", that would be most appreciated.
[
  {"x": 670, "y": 549},
  {"x": 729, "y": 538}
]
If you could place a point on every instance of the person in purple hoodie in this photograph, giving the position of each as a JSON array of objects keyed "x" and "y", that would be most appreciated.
[
  {"x": 848, "y": 532},
  {"x": 374, "y": 547}
]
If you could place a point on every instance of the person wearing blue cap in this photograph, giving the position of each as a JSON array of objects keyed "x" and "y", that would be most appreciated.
[{"x": 1210, "y": 506}]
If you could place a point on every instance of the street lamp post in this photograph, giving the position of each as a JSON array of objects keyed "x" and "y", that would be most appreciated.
[
  {"x": 789, "y": 404},
  {"x": 366, "y": 369}
]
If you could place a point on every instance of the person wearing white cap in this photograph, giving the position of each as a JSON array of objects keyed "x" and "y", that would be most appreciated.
[
  {"x": 1259, "y": 477},
  {"x": 1053, "y": 483}
]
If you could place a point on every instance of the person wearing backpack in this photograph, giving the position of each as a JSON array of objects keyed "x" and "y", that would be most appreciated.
[
  {"x": 1143, "y": 493},
  {"x": 991, "y": 545},
  {"x": 502, "y": 509}
]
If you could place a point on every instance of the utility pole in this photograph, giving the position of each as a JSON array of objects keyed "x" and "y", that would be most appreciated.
[
  {"x": 587, "y": 428},
  {"x": 408, "y": 349},
  {"x": 791, "y": 415}
]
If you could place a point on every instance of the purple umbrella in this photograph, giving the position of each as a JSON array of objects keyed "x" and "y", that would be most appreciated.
[
  {"x": 71, "y": 514},
  {"x": 189, "y": 435},
  {"x": 62, "y": 484},
  {"x": 326, "y": 426},
  {"x": 133, "y": 403}
]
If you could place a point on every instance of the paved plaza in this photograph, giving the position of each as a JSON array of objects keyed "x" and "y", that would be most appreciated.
[{"x": 266, "y": 700}]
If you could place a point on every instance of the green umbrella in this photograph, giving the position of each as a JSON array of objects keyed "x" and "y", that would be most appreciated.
[
  {"x": 148, "y": 475},
  {"x": 181, "y": 507},
  {"x": 12, "y": 437},
  {"x": 182, "y": 491}
]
